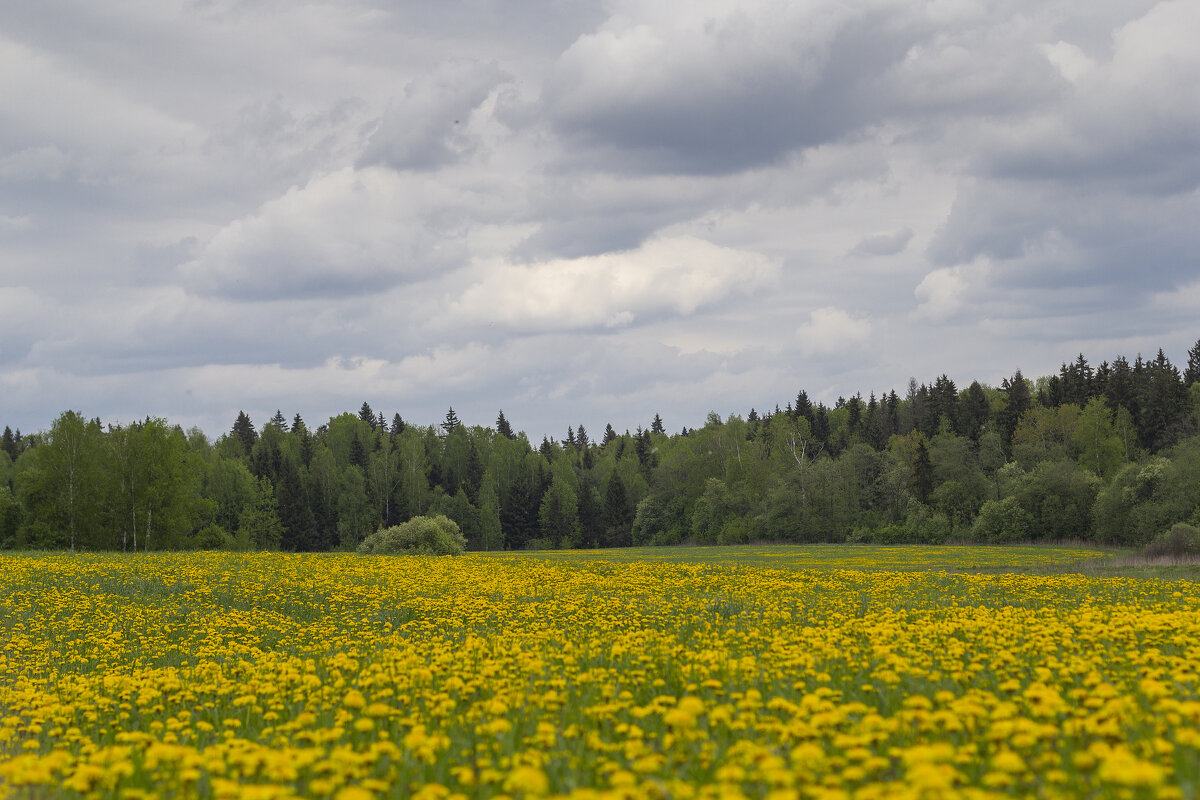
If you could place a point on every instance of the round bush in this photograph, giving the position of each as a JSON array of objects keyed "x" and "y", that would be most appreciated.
[{"x": 436, "y": 536}]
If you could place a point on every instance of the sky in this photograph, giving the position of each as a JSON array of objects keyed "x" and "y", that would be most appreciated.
[{"x": 582, "y": 212}]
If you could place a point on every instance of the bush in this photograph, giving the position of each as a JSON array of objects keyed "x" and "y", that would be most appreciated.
[
  {"x": 1001, "y": 522},
  {"x": 1182, "y": 541},
  {"x": 436, "y": 536},
  {"x": 213, "y": 537}
]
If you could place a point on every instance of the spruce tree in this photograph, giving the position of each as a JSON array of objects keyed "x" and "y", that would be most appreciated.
[
  {"x": 451, "y": 422},
  {"x": 9, "y": 443},
  {"x": 243, "y": 429},
  {"x": 503, "y": 428},
  {"x": 1191, "y": 373},
  {"x": 1017, "y": 402},
  {"x": 618, "y": 514},
  {"x": 278, "y": 420},
  {"x": 657, "y": 425},
  {"x": 609, "y": 434},
  {"x": 398, "y": 425},
  {"x": 366, "y": 414}
]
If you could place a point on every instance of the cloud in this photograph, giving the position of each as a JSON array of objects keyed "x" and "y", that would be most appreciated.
[
  {"x": 883, "y": 244},
  {"x": 666, "y": 276},
  {"x": 347, "y": 233},
  {"x": 429, "y": 126},
  {"x": 832, "y": 330},
  {"x": 724, "y": 88},
  {"x": 940, "y": 294}
]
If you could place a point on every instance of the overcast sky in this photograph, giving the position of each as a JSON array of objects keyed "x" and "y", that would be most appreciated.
[{"x": 582, "y": 212}]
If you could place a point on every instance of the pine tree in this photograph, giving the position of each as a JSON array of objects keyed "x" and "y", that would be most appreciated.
[
  {"x": 1191, "y": 374},
  {"x": 581, "y": 438},
  {"x": 609, "y": 434},
  {"x": 451, "y": 422},
  {"x": 358, "y": 453},
  {"x": 1018, "y": 401},
  {"x": 922, "y": 473},
  {"x": 547, "y": 448},
  {"x": 657, "y": 425},
  {"x": 297, "y": 423},
  {"x": 243, "y": 429},
  {"x": 398, "y": 425},
  {"x": 291, "y": 502},
  {"x": 974, "y": 411},
  {"x": 278, "y": 420},
  {"x": 618, "y": 514},
  {"x": 366, "y": 414},
  {"x": 473, "y": 474},
  {"x": 503, "y": 428},
  {"x": 9, "y": 443}
]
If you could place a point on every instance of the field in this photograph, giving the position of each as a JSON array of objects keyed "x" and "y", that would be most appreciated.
[{"x": 824, "y": 672}]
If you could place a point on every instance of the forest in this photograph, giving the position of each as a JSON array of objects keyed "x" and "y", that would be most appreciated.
[{"x": 1107, "y": 454}]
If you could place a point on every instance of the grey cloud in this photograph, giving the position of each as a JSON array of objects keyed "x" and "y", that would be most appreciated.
[
  {"x": 713, "y": 99},
  {"x": 344, "y": 234},
  {"x": 429, "y": 126},
  {"x": 883, "y": 244}
]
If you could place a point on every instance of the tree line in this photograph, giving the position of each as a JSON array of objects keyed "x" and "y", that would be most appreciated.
[{"x": 1109, "y": 454}]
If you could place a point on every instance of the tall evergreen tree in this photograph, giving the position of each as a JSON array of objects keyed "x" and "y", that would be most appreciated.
[
  {"x": 367, "y": 414},
  {"x": 9, "y": 443},
  {"x": 656, "y": 426},
  {"x": 398, "y": 425},
  {"x": 244, "y": 430},
  {"x": 278, "y": 420},
  {"x": 291, "y": 503},
  {"x": 609, "y": 434},
  {"x": 297, "y": 423},
  {"x": 451, "y": 422},
  {"x": 1191, "y": 373},
  {"x": 617, "y": 515},
  {"x": 974, "y": 411},
  {"x": 1017, "y": 402},
  {"x": 503, "y": 427}
]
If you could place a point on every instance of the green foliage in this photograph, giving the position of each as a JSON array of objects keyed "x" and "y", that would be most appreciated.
[
  {"x": 1002, "y": 522},
  {"x": 436, "y": 536},
  {"x": 1182, "y": 541}
]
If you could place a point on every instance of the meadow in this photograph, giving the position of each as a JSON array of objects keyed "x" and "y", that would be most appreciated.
[{"x": 818, "y": 672}]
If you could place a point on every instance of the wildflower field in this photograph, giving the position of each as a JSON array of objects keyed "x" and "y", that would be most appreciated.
[{"x": 761, "y": 672}]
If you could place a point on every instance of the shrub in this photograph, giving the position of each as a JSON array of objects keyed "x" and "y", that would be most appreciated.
[
  {"x": 1002, "y": 521},
  {"x": 1182, "y": 541},
  {"x": 436, "y": 536},
  {"x": 213, "y": 537}
]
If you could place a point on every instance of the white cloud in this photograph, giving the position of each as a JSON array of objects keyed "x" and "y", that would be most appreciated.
[
  {"x": 672, "y": 276},
  {"x": 347, "y": 233},
  {"x": 832, "y": 330},
  {"x": 940, "y": 294}
]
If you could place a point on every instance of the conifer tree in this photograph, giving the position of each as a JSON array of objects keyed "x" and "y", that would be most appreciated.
[
  {"x": 278, "y": 420},
  {"x": 451, "y": 422},
  {"x": 366, "y": 414},
  {"x": 1191, "y": 373},
  {"x": 609, "y": 434},
  {"x": 503, "y": 428},
  {"x": 9, "y": 443},
  {"x": 1017, "y": 402},
  {"x": 657, "y": 425},
  {"x": 398, "y": 425},
  {"x": 243, "y": 429}
]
